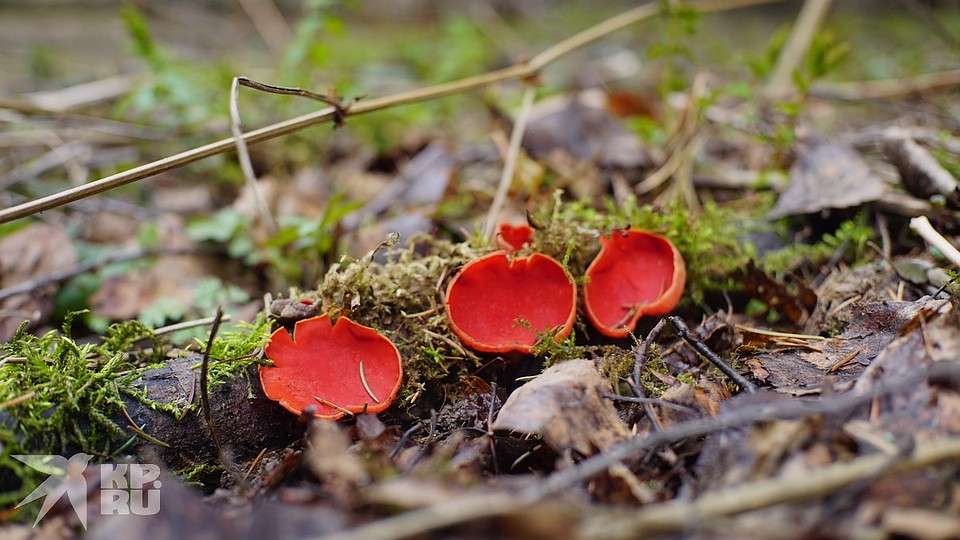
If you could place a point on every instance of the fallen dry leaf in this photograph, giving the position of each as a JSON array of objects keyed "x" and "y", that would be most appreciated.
[
  {"x": 32, "y": 252},
  {"x": 582, "y": 128},
  {"x": 827, "y": 175},
  {"x": 796, "y": 306},
  {"x": 332, "y": 462},
  {"x": 803, "y": 365},
  {"x": 171, "y": 278},
  {"x": 565, "y": 406}
]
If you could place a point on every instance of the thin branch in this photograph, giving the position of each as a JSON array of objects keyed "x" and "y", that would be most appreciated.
[
  {"x": 679, "y": 514},
  {"x": 785, "y": 408},
  {"x": 518, "y": 71},
  {"x": 887, "y": 88},
  {"x": 204, "y": 393},
  {"x": 479, "y": 506},
  {"x": 186, "y": 325},
  {"x": 510, "y": 162},
  {"x": 714, "y": 359},
  {"x": 640, "y": 356},
  {"x": 651, "y": 401},
  {"x": 243, "y": 154}
]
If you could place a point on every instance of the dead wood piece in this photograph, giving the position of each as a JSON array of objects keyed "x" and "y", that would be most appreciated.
[
  {"x": 920, "y": 172},
  {"x": 246, "y": 420}
]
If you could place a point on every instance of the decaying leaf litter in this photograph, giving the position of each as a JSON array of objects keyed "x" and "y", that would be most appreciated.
[{"x": 843, "y": 423}]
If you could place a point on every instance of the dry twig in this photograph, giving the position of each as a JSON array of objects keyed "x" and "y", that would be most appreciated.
[
  {"x": 811, "y": 14},
  {"x": 510, "y": 161},
  {"x": 714, "y": 359},
  {"x": 677, "y": 515},
  {"x": 523, "y": 70},
  {"x": 887, "y": 88},
  {"x": 480, "y": 506}
]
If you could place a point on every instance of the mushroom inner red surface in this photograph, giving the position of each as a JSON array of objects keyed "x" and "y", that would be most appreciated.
[
  {"x": 498, "y": 305},
  {"x": 323, "y": 360},
  {"x": 633, "y": 275},
  {"x": 513, "y": 237}
]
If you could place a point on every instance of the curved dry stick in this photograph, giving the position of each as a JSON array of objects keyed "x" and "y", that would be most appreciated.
[
  {"x": 510, "y": 161},
  {"x": 517, "y": 71},
  {"x": 491, "y": 504}
]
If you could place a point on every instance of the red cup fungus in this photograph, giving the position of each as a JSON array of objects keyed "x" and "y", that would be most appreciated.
[
  {"x": 637, "y": 273},
  {"x": 341, "y": 368},
  {"x": 498, "y": 305},
  {"x": 511, "y": 238}
]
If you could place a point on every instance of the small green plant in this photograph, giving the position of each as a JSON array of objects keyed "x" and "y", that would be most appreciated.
[
  {"x": 679, "y": 23},
  {"x": 851, "y": 236},
  {"x": 60, "y": 396},
  {"x": 294, "y": 255},
  {"x": 823, "y": 57},
  {"x": 177, "y": 94}
]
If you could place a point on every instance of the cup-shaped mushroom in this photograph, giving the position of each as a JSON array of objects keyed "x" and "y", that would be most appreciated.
[
  {"x": 511, "y": 238},
  {"x": 497, "y": 304},
  {"x": 341, "y": 368},
  {"x": 636, "y": 273}
]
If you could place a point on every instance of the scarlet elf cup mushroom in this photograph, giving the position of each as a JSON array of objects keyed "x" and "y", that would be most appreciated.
[
  {"x": 511, "y": 238},
  {"x": 636, "y": 273},
  {"x": 498, "y": 304},
  {"x": 341, "y": 368}
]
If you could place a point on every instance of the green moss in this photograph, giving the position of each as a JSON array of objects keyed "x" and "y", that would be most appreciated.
[
  {"x": 707, "y": 240},
  {"x": 654, "y": 363},
  {"x": 403, "y": 299},
  {"x": 849, "y": 240},
  {"x": 58, "y": 396}
]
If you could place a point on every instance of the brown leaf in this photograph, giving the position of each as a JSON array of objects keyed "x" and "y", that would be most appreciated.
[
  {"x": 30, "y": 253},
  {"x": 175, "y": 278},
  {"x": 827, "y": 175},
  {"x": 582, "y": 128},
  {"x": 565, "y": 406},
  {"x": 331, "y": 460},
  {"x": 800, "y": 365},
  {"x": 796, "y": 306}
]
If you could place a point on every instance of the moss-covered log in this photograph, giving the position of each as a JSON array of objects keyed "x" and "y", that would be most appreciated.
[{"x": 164, "y": 403}]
